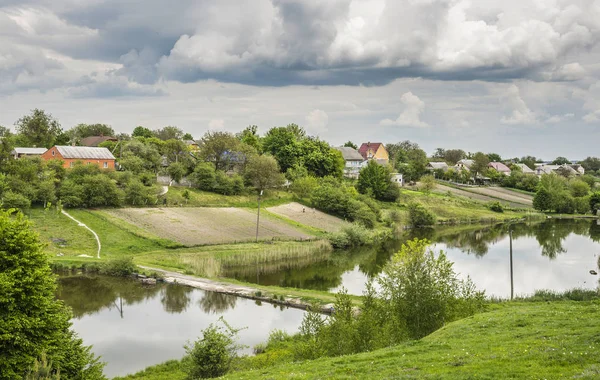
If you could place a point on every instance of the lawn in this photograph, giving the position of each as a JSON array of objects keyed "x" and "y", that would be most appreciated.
[{"x": 518, "y": 340}]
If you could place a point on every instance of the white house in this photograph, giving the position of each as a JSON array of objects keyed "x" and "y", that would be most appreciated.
[{"x": 354, "y": 161}]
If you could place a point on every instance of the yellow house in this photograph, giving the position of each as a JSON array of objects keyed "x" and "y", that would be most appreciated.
[{"x": 374, "y": 151}]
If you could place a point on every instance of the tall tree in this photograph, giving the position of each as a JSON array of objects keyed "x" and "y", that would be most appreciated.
[
  {"x": 480, "y": 163},
  {"x": 452, "y": 156},
  {"x": 32, "y": 321},
  {"x": 39, "y": 128},
  {"x": 591, "y": 163},
  {"x": 283, "y": 144},
  {"x": 169, "y": 132},
  {"x": 350, "y": 144},
  {"x": 249, "y": 136},
  {"x": 81, "y": 131},
  {"x": 374, "y": 179},
  {"x": 494, "y": 157},
  {"x": 218, "y": 148},
  {"x": 561, "y": 161},
  {"x": 140, "y": 131},
  {"x": 263, "y": 172}
]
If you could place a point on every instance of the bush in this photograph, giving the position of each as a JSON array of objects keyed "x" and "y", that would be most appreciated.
[
  {"x": 582, "y": 205},
  {"x": 495, "y": 206},
  {"x": 595, "y": 201},
  {"x": 361, "y": 213},
  {"x": 212, "y": 355},
  {"x": 419, "y": 216},
  {"x": 119, "y": 267},
  {"x": 15, "y": 200},
  {"x": 304, "y": 186}
]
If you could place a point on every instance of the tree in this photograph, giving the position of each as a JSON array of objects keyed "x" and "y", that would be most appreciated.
[
  {"x": 591, "y": 164},
  {"x": 579, "y": 188},
  {"x": 542, "y": 200},
  {"x": 39, "y": 128},
  {"x": 32, "y": 321},
  {"x": 319, "y": 159},
  {"x": 140, "y": 131},
  {"x": 452, "y": 156},
  {"x": 428, "y": 183},
  {"x": 187, "y": 136},
  {"x": 177, "y": 171},
  {"x": 81, "y": 131},
  {"x": 561, "y": 161},
  {"x": 480, "y": 163},
  {"x": 423, "y": 292},
  {"x": 595, "y": 202},
  {"x": 204, "y": 176},
  {"x": 263, "y": 172},
  {"x": 249, "y": 136},
  {"x": 218, "y": 148},
  {"x": 168, "y": 133},
  {"x": 374, "y": 179},
  {"x": 350, "y": 144},
  {"x": 283, "y": 144},
  {"x": 419, "y": 216},
  {"x": 494, "y": 157},
  {"x": 211, "y": 356}
]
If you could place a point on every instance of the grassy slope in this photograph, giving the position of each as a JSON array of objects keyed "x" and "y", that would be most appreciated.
[{"x": 513, "y": 340}]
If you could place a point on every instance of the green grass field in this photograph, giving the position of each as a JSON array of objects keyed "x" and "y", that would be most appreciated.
[{"x": 513, "y": 340}]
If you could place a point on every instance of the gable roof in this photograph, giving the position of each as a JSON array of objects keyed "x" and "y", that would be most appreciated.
[
  {"x": 349, "y": 154},
  {"x": 499, "y": 166},
  {"x": 467, "y": 163},
  {"x": 32, "y": 151},
  {"x": 366, "y": 146},
  {"x": 84, "y": 152},
  {"x": 438, "y": 165},
  {"x": 96, "y": 140},
  {"x": 525, "y": 169}
]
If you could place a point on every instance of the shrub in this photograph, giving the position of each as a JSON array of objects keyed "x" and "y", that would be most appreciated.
[
  {"x": 495, "y": 206},
  {"x": 361, "y": 213},
  {"x": 203, "y": 176},
  {"x": 303, "y": 186},
  {"x": 582, "y": 205},
  {"x": 15, "y": 200},
  {"x": 119, "y": 267},
  {"x": 595, "y": 201},
  {"x": 211, "y": 356},
  {"x": 542, "y": 201},
  {"x": 419, "y": 216}
]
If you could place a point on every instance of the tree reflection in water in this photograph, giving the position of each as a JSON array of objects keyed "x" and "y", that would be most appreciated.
[
  {"x": 216, "y": 303},
  {"x": 175, "y": 298}
]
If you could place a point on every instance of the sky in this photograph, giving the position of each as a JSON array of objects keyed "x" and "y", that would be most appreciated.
[{"x": 514, "y": 77}]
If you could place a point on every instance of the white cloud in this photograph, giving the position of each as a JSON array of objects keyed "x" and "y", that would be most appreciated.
[
  {"x": 592, "y": 117},
  {"x": 559, "y": 118},
  {"x": 316, "y": 121},
  {"x": 521, "y": 114},
  {"x": 216, "y": 124},
  {"x": 411, "y": 116}
]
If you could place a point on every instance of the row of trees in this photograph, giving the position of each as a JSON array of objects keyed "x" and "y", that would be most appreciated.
[{"x": 565, "y": 195}]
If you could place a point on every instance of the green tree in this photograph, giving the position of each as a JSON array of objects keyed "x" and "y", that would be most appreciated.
[
  {"x": 32, "y": 321},
  {"x": 579, "y": 188},
  {"x": 424, "y": 292},
  {"x": 263, "y": 172},
  {"x": 480, "y": 163},
  {"x": 529, "y": 161},
  {"x": 283, "y": 144},
  {"x": 561, "y": 161},
  {"x": 140, "y": 131},
  {"x": 350, "y": 144},
  {"x": 428, "y": 183},
  {"x": 212, "y": 355},
  {"x": 168, "y": 133},
  {"x": 177, "y": 171},
  {"x": 494, "y": 157},
  {"x": 187, "y": 136},
  {"x": 452, "y": 156},
  {"x": 591, "y": 164},
  {"x": 219, "y": 148},
  {"x": 304, "y": 186},
  {"x": 204, "y": 176},
  {"x": 542, "y": 200},
  {"x": 249, "y": 136},
  {"x": 319, "y": 159},
  {"x": 39, "y": 128},
  {"x": 595, "y": 202},
  {"x": 419, "y": 216},
  {"x": 374, "y": 179},
  {"x": 81, "y": 131}
]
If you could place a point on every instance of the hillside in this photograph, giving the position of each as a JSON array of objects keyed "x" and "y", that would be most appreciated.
[{"x": 522, "y": 340}]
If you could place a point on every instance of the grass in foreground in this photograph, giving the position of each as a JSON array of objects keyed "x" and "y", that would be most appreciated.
[{"x": 521, "y": 340}]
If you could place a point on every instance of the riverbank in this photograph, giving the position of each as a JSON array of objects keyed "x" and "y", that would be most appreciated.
[{"x": 511, "y": 340}]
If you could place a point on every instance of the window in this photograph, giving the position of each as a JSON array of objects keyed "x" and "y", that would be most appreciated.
[
  {"x": 105, "y": 164},
  {"x": 71, "y": 164},
  {"x": 53, "y": 152}
]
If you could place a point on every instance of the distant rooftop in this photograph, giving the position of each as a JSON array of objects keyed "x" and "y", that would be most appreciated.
[
  {"x": 85, "y": 152},
  {"x": 350, "y": 154},
  {"x": 32, "y": 151}
]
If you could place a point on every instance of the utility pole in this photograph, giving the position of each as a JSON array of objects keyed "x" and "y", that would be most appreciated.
[{"x": 512, "y": 286}]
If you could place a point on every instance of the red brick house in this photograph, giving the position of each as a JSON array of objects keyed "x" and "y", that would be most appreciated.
[{"x": 87, "y": 155}]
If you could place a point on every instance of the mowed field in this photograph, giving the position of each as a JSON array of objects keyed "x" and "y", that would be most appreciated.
[
  {"x": 308, "y": 216},
  {"x": 205, "y": 225},
  {"x": 489, "y": 194}
]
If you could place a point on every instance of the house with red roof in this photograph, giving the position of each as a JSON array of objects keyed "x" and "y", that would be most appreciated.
[
  {"x": 499, "y": 167},
  {"x": 374, "y": 151}
]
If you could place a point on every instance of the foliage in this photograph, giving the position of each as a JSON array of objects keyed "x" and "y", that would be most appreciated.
[
  {"x": 81, "y": 131},
  {"x": 39, "y": 128},
  {"x": 375, "y": 180},
  {"x": 140, "y": 131},
  {"x": 168, "y": 133},
  {"x": 15, "y": 200},
  {"x": 480, "y": 163},
  {"x": 212, "y": 355},
  {"x": 263, "y": 172},
  {"x": 32, "y": 321},
  {"x": 591, "y": 164},
  {"x": 250, "y": 137},
  {"x": 595, "y": 201},
  {"x": 177, "y": 171},
  {"x": 42, "y": 370},
  {"x": 304, "y": 186},
  {"x": 419, "y": 216},
  {"x": 496, "y": 206},
  {"x": 120, "y": 267},
  {"x": 409, "y": 159},
  {"x": 204, "y": 176},
  {"x": 561, "y": 161},
  {"x": 338, "y": 199},
  {"x": 428, "y": 183},
  {"x": 423, "y": 290},
  {"x": 542, "y": 200},
  {"x": 350, "y": 144},
  {"x": 219, "y": 148},
  {"x": 579, "y": 188}
]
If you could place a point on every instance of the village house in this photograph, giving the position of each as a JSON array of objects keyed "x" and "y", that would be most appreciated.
[
  {"x": 398, "y": 179},
  {"x": 192, "y": 145},
  {"x": 84, "y": 154},
  {"x": 525, "y": 169},
  {"x": 499, "y": 167},
  {"x": 437, "y": 166},
  {"x": 566, "y": 169},
  {"x": 96, "y": 140},
  {"x": 463, "y": 165},
  {"x": 353, "y": 159},
  {"x": 27, "y": 152},
  {"x": 374, "y": 151}
]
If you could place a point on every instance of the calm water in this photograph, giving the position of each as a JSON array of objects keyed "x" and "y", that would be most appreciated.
[
  {"x": 553, "y": 254},
  {"x": 133, "y": 326}
]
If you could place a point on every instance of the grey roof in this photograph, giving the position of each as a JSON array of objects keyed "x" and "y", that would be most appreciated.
[
  {"x": 29, "y": 150},
  {"x": 350, "y": 154},
  {"x": 525, "y": 169},
  {"x": 85, "y": 152},
  {"x": 467, "y": 163},
  {"x": 438, "y": 165}
]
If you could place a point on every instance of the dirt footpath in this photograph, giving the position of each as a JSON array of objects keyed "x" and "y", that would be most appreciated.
[
  {"x": 208, "y": 225},
  {"x": 308, "y": 216}
]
